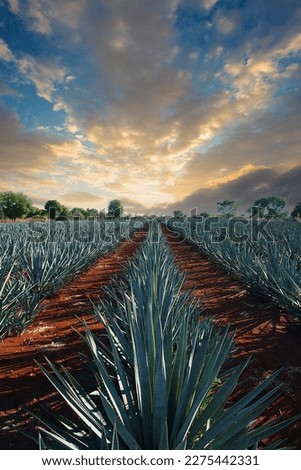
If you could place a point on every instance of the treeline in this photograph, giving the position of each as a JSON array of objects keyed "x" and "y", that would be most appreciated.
[
  {"x": 15, "y": 205},
  {"x": 270, "y": 207}
]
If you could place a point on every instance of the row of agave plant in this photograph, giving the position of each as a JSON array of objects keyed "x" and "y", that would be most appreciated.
[
  {"x": 271, "y": 267},
  {"x": 160, "y": 377},
  {"x": 32, "y": 268}
]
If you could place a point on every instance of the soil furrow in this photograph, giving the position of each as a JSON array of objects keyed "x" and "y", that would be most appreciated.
[
  {"x": 54, "y": 334},
  {"x": 262, "y": 330}
]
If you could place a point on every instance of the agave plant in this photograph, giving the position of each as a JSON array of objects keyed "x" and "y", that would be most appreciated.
[
  {"x": 271, "y": 268},
  {"x": 162, "y": 379},
  {"x": 31, "y": 270},
  {"x": 18, "y": 302}
]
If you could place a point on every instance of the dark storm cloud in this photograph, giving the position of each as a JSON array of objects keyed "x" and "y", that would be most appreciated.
[{"x": 256, "y": 184}]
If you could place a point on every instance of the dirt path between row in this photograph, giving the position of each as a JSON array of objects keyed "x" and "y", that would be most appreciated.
[
  {"x": 263, "y": 331},
  {"x": 51, "y": 334}
]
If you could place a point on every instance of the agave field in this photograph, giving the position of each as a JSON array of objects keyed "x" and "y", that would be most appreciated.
[
  {"x": 36, "y": 261},
  {"x": 268, "y": 263},
  {"x": 159, "y": 372}
]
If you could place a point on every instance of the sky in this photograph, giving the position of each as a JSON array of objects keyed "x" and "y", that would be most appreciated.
[{"x": 163, "y": 104}]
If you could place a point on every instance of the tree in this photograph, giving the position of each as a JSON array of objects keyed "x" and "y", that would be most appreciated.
[
  {"x": 178, "y": 214},
  {"x": 78, "y": 212},
  {"x": 92, "y": 213},
  {"x": 205, "y": 215},
  {"x": 297, "y": 210},
  {"x": 55, "y": 209},
  {"x": 14, "y": 205},
  {"x": 115, "y": 208},
  {"x": 36, "y": 212},
  {"x": 227, "y": 208},
  {"x": 268, "y": 207},
  {"x": 84, "y": 213}
]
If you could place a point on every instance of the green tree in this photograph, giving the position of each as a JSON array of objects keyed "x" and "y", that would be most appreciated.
[
  {"x": 297, "y": 210},
  {"x": 227, "y": 208},
  {"x": 178, "y": 214},
  {"x": 269, "y": 206},
  {"x": 92, "y": 213},
  {"x": 84, "y": 213},
  {"x": 78, "y": 212},
  {"x": 115, "y": 208},
  {"x": 36, "y": 212},
  {"x": 205, "y": 215},
  {"x": 55, "y": 209},
  {"x": 15, "y": 205}
]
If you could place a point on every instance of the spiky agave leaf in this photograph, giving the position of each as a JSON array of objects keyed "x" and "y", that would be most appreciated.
[{"x": 164, "y": 383}]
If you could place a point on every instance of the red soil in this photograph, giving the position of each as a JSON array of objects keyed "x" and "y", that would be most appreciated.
[
  {"x": 263, "y": 331},
  {"x": 51, "y": 334}
]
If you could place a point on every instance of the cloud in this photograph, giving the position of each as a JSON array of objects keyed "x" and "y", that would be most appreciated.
[
  {"x": 14, "y": 6},
  {"x": 134, "y": 207},
  {"x": 6, "y": 90},
  {"x": 33, "y": 160},
  {"x": 45, "y": 75},
  {"x": 156, "y": 111},
  {"x": 268, "y": 140},
  {"x": 43, "y": 16},
  {"x": 245, "y": 189},
  {"x": 208, "y": 4},
  {"x": 22, "y": 153},
  {"x": 225, "y": 23},
  {"x": 5, "y": 53},
  {"x": 266, "y": 64},
  {"x": 82, "y": 199}
]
